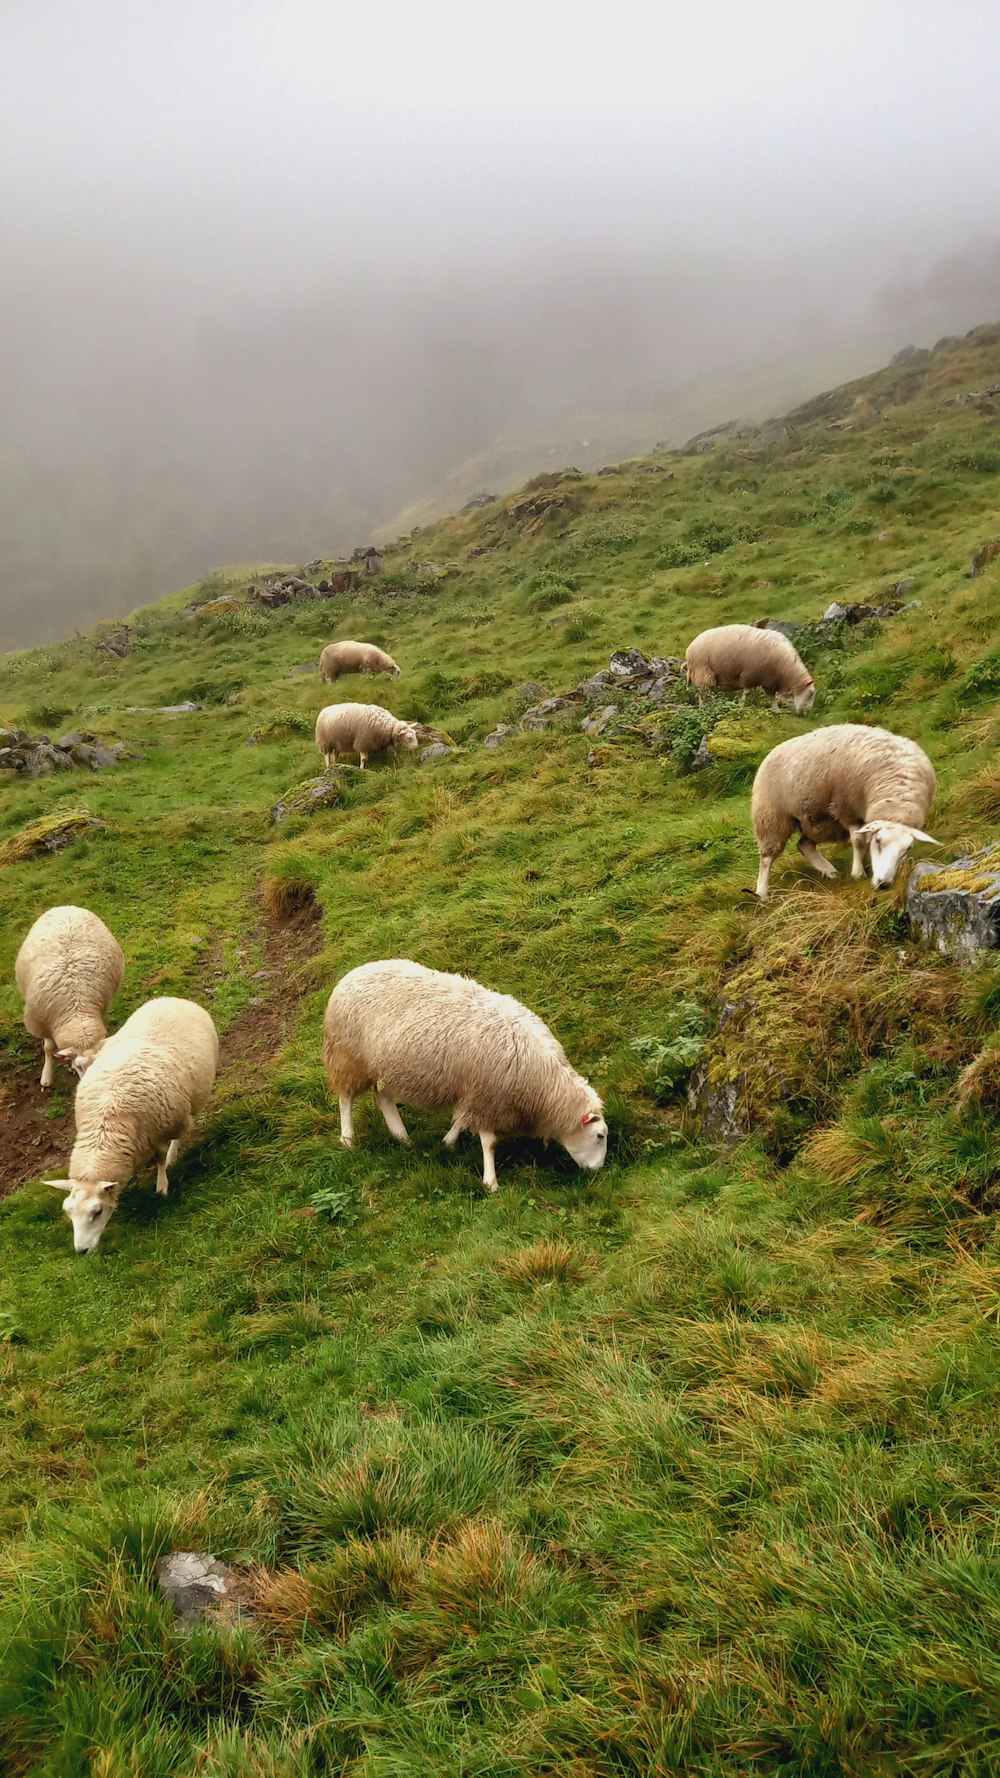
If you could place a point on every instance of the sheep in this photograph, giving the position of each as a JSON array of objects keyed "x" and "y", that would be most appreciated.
[
  {"x": 437, "y": 1040},
  {"x": 738, "y": 657},
  {"x": 355, "y": 657},
  {"x": 141, "y": 1095},
  {"x": 838, "y": 783},
  {"x": 68, "y": 970},
  {"x": 361, "y": 729}
]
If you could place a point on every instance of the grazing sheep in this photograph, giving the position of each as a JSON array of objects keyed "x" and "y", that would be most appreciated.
[
  {"x": 738, "y": 657},
  {"x": 142, "y": 1094},
  {"x": 437, "y": 1040},
  {"x": 355, "y": 657},
  {"x": 69, "y": 969},
  {"x": 361, "y": 729},
  {"x": 843, "y": 782}
]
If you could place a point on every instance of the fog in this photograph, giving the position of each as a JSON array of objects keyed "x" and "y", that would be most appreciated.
[{"x": 275, "y": 274}]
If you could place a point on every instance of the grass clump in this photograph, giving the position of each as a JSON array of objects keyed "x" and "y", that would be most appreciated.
[{"x": 289, "y": 888}]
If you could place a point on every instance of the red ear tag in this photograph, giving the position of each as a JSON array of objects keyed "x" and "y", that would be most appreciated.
[{"x": 589, "y": 1117}]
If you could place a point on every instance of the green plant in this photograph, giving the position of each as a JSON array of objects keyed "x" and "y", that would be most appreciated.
[
  {"x": 670, "y": 1058},
  {"x": 334, "y": 1205}
]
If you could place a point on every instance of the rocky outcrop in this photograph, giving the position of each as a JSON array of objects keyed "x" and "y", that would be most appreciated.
[
  {"x": 653, "y": 680},
  {"x": 956, "y": 908},
  {"x": 35, "y": 756}
]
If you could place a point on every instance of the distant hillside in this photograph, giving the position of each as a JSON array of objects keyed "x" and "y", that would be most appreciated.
[{"x": 689, "y": 1465}]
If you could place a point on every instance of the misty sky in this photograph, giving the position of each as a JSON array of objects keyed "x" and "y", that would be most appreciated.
[{"x": 271, "y": 272}]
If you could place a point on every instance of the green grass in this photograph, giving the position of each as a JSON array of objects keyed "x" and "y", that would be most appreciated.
[{"x": 688, "y": 1466}]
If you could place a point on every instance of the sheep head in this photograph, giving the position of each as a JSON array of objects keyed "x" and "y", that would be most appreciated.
[
  {"x": 90, "y": 1206},
  {"x": 889, "y": 842}
]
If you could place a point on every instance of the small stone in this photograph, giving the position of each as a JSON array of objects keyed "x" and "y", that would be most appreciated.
[
  {"x": 201, "y": 1589},
  {"x": 703, "y": 756},
  {"x": 437, "y": 750},
  {"x": 499, "y": 735},
  {"x": 598, "y": 720}
]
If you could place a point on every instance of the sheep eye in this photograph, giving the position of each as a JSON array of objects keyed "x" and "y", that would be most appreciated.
[{"x": 94, "y": 1214}]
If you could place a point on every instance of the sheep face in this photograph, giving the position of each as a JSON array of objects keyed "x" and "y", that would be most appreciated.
[
  {"x": 89, "y": 1207},
  {"x": 804, "y": 700},
  {"x": 409, "y": 739},
  {"x": 588, "y": 1143},
  {"x": 889, "y": 842}
]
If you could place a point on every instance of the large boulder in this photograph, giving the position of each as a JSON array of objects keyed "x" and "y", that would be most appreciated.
[{"x": 956, "y": 908}]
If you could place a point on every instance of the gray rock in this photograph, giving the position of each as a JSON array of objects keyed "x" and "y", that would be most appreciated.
[
  {"x": 598, "y": 720},
  {"x": 437, "y": 750},
  {"x": 476, "y": 500},
  {"x": 499, "y": 735},
  {"x": 531, "y": 691},
  {"x": 716, "y": 1104},
  {"x": 599, "y": 685},
  {"x": 201, "y": 1589},
  {"x": 44, "y": 758},
  {"x": 773, "y": 623},
  {"x": 963, "y": 923},
  {"x": 703, "y": 757},
  {"x": 626, "y": 661},
  {"x": 310, "y": 797},
  {"x": 185, "y": 709},
  {"x": 297, "y": 672},
  {"x": 834, "y": 614},
  {"x": 547, "y": 711}
]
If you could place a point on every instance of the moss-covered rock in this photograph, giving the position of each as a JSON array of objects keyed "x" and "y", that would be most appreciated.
[
  {"x": 957, "y": 909},
  {"x": 310, "y": 797},
  {"x": 50, "y": 834}
]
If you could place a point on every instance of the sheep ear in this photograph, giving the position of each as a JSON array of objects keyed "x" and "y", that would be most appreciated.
[
  {"x": 589, "y": 1117},
  {"x": 64, "y": 1055},
  {"x": 58, "y": 1185},
  {"x": 926, "y": 837},
  {"x": 869, "y": 827}
]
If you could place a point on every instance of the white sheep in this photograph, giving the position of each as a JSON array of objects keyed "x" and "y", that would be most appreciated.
[
  {"x": 738, "y": 657},
  {"x": 361, "y": 729},
  {"x": 69, "y": 969},
  {"x": 141, "y": 1095},
  {"x": 442, "y": 1041},
  {"x": 355, "y": 657},
  {"x": 838, "y": 783}
]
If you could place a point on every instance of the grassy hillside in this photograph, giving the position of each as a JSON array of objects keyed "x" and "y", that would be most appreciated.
[{"x": 688, "y": 1466}]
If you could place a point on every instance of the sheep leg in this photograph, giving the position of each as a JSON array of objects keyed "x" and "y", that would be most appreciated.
[
  {"x": 766, "y": 861},
  {"x": 49, "y": 1064},
  {"x": 453, "y": 1134},
  {"x": 347, "y": 1120},
  {"x": 163, "y": 1160},
  {"x": 858, "y": 858},
  {"x": 394, "y": 1123},
  {"x": 489, "y": 1142},
  {"x": 328, "y": 757},
  {"x": 815, "y": 858},
  {"x": 362, "y": 757}
]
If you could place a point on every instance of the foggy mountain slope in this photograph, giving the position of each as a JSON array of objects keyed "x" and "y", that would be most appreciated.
[
  {"x": 274, "y": 275},
  {"x": 690, "y": 1465},
  {"x": 304, "y": 428}
]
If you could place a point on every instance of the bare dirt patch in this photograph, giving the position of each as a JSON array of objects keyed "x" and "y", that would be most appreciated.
[
  {"x": 259, "y": 1031},
  {"x": 32, "y": 1142}
]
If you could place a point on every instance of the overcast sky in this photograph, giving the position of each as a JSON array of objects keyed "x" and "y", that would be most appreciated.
[{"x": 182, "y": 178}]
